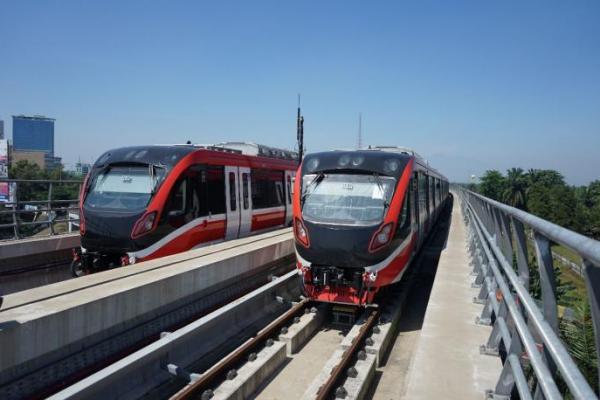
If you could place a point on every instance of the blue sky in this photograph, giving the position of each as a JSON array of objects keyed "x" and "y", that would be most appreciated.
[{"x": 470, "y": 85}]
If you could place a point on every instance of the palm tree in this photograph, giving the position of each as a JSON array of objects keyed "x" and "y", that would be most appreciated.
[
  {"x": 578, "y": 334},
  {"x": 516, "y": 184}
]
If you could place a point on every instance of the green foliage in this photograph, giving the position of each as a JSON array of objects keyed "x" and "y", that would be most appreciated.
[
  {"x": 515, "y": 188},
  {"x": 579, "y": 334},
  {"x": 33, "y": 191},
  {"x": 564, "y": 288},
  {"x": 492, "y": 184},
  {"x": 544, "y": 193}
]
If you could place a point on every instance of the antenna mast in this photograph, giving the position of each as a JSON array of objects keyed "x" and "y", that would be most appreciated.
[{"x": 300, "y": 132}]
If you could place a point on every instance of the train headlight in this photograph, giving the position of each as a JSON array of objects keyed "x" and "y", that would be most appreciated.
[
  {"x": 358, "y": 160},
  {"x": 144, "y": 225},
  {"x": 312, "y": 164},
  {"x": 344, "y": 160},
  {"x": 382, "y": 237},
  {"x": 391, "y": 166},
  {"x": 300, "y": 233},
  {"x": 372, "y": 276}
]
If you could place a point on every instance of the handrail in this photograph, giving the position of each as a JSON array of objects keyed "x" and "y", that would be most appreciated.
[
  {"x": 586, "y": 247},
  {"x": 497, "y": 236},
  {"x": 15, "y": 208},
  {"x": 72, "y": 181}
]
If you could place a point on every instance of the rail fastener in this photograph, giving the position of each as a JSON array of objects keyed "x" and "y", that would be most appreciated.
[
  {"x": 341, "y": 370},
  {"x": 247, "y": 352}
]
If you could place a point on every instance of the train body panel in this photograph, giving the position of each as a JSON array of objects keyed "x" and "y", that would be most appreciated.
[
  {"x": 359, "y": 219},
  {"x": 141, "y": 203}
]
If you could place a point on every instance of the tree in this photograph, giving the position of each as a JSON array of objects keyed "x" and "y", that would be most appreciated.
[
  {"x": 25, "y": 170},
  {"x": 544, "y": 177},
  {"x": 492, "y": 184},
  {"x": 515, "y": 188}
]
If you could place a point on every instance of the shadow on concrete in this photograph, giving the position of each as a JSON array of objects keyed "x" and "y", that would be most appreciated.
[{"x": 419, "y": 284}]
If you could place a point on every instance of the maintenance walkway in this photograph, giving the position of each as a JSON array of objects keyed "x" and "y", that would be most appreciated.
[{"x": 447, "y": 363}]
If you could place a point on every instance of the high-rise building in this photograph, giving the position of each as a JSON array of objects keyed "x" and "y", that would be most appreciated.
[
  {"x": 33, "y": 133},
  {"x": 1, "y": 129}
]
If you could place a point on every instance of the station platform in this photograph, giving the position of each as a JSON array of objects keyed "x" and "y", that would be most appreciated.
[{"x": 447, "y": 363}]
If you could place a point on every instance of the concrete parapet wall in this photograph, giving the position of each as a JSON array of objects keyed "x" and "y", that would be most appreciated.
[
  {"x": 47, "y": 326},
  {"x": 37, "y": 245}
]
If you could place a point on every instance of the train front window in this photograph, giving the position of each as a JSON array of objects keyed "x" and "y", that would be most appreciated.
[
  {"x": 349, "y": 199},
  {"x": 124, "y": 187}
]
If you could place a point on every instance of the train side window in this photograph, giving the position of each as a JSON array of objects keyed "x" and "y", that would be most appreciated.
[
  {"x": 209, "y": 184},
  {"x": 175, "y": 211},
  {"x": 289, "y": 189},
  {"x": 404, "y": 226},
  {"x": 245, "y": 191},
  {"x": 422, "y": 195},
  {"x": 279, "y": 192},
  {"x": 232, "y": 199},
  {"x": 267, "y": 188}
]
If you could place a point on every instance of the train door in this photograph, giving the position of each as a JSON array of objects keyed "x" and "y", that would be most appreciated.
[
  {"x": 246, "y": 201},
  {"x": 288, "y": 198},
  {"x": 232, "y": 194}
]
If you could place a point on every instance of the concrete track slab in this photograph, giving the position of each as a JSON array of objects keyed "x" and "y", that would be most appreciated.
[
  {"x": 72, "y": 285},
  {"x": 60, "y": 325},
  {"x": 296, "y": 376},
  {"x": 447, "y": 363}
]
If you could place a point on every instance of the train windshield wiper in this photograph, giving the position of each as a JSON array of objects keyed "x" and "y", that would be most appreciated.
[
  {"x": 311, "y": 187},
  {"x": 153, "y": 175},
  {"x": 382, "y": 189}
]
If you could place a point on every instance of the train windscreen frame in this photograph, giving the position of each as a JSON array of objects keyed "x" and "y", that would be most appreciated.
[
  {"x": 124, "y": 187},
  {"x": 346, "y": 199}
]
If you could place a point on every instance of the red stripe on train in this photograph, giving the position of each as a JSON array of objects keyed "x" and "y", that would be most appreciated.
[
  {"x": 268, "y": 220},
  {"x": 213, "y": 230}
]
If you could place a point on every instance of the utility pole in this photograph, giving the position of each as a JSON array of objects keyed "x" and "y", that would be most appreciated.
[{"x": 300, "y": 132}]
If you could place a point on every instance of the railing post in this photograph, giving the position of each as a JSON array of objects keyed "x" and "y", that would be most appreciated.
[
  {"x": 15, "y": 207},
  {"x": 522, "y": 262},
  {"x": 547, "y": 279},
  {"x": 50, "y": 218},
  {"x": 506, "y": 236},
  {"x": 548, "y": 287},
  {"x": 592, "y": 282}
]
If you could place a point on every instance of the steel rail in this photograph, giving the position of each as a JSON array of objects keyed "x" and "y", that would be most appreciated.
[
  {"x": 207, "y": 379},
  {"x": 327, "y": 389},
  {"x": 151, "y": 351},
  {"x": 575, "y": 380}
]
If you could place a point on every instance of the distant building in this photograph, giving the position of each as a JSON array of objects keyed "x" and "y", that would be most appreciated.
[
  {"x": 31, "y": 135},
  {"x": 1, "y": 129},
  {"x": 82, "y": 169},
  {"x": 34, "y": 157}
]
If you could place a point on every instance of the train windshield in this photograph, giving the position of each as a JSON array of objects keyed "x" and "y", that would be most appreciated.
[
  {"x": 124, "y": 187},
  {"x": 348, "y": 199}
]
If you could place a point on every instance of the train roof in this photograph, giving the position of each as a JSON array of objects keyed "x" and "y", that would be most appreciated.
[
  {"x": 374, "y": 159},
  {"x": 169, "y": 155}
]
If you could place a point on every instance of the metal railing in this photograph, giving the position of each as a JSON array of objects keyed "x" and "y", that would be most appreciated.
[
  {"x": 33, "y": 204},
  {"x": 526, "y": 331}
]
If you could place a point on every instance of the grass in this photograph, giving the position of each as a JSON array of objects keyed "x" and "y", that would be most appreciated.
[
  {"x": 567, "y": 253},
  {"x": 568, "y": 275},
  {"x": 579, "y": 290}
]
